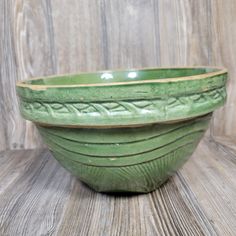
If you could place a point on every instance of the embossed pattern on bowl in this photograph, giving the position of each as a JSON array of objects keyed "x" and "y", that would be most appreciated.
[{"x": 126, "y": 130}]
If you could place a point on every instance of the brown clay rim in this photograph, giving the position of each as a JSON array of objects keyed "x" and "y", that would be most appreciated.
[{"x": 219, "y": 71}]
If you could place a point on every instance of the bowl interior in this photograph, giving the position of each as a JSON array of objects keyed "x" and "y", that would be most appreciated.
[{"x": 120, "y": 76}]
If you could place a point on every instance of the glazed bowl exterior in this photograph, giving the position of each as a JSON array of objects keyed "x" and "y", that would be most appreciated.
[{"x": 127, "y": 130}]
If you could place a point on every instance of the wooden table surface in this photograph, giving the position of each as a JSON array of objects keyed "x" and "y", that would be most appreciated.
[{"x": 39, "y": 197}]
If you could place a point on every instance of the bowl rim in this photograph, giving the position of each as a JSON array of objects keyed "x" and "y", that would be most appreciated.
[{"x": 219, "y": 71}]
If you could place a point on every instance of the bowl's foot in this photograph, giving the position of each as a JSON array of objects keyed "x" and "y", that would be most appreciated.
[{"x": 126, "y": 191}]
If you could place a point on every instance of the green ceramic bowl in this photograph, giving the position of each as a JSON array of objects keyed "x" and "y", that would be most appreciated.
[{"x": 127, "y": 130}]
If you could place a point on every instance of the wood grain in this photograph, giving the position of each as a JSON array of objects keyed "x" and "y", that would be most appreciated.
[
  {"x": 223, "y": 32},
  {"x": 40, "y": 38},
  {"x": 211, "y": 174},
  {"x": 39, "y": 197}
]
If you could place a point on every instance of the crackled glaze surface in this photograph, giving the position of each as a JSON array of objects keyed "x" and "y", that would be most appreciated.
[{"x": 124, "y": 130}]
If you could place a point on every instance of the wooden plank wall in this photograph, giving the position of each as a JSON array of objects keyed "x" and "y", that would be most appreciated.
[{"x": 45, "y": 37}]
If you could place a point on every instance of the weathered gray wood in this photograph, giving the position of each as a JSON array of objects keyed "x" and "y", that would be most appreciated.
[
  {"x": 17, "y": 46},
  {"x": 228, "y": 144},
  {"x": 39, "y": 197},
  {"x": 46, "y": 37},
  {"x": 211, "y": 175},
  {"x": 223, "y": 52}
]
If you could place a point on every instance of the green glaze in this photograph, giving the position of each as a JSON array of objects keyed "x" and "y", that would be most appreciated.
[
  {"x": 124, "y": 130},
  {"x": 136, "y": 160},
  {"x": 138, "y": 101}
]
